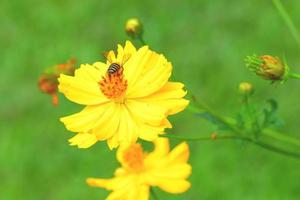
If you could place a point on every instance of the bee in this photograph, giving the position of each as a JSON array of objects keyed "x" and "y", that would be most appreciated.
[{"x": 115, "y": 67}]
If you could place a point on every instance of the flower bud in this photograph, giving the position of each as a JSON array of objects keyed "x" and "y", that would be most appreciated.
[
  {"x": 267, "y": 67},
  {"x": 48, "y": 82},
  {"x": 134, "y": 28},
  {"x": 245, "y": 88}
]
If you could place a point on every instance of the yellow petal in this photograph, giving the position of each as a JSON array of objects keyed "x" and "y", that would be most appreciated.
[
  {"x": 166, "y": 123},
  {"x": 102, "y": 68},
  {"x": 103, "y": 183},
  {"x": 129, "y": 48},
  {"x": 113, "y": 142},
  {"x": 87, "y": 118},
  {"x": 92, "y": 73},
  {"x": 146, "y": 112},
  {"x": 143, "y": 192},
  {"x": 111, "y": 57},
  {"x": 180, "y": 153},
  {"x": 171, "y": 171},
  {"x": 152, "y": 73},
  {"x": 133, "y": 190},
  {"x": 120, "y": 54},
  {"x": 149, "y": 133},
  {"x": 109, "y": 184},
  {"x": 82, "y": 89},
  {"x": 174, "y": 186},
  {"x": 127, "y": 131},
  {"x": 169, "y": 97},
  {"x": 108, "y": 124},
  {"x": 133, "y": 66},
  {"x": 168, "y": 170},
  {"x": 171, "y": 90},
  {"x": 125, "y": 188},
  {"x": 140, "y": 192},
  {"x": 161, "y": 149},
  {"x": 83, "y": 140}
]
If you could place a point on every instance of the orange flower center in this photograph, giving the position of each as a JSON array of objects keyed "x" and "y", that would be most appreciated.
[
  {"x": 114, "y": 86},
  {"x": 134, "y": 157}
]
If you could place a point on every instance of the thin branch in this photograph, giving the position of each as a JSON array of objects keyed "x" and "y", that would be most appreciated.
[
  {"x": 240, "y": 135},
  {"x": 277, "y": 149},
  {"x": 290, "y": 24},
  {"x": 207, "y": 138}
]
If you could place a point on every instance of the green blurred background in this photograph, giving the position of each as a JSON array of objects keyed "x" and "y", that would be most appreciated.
[{"x": 205, "y": 40}]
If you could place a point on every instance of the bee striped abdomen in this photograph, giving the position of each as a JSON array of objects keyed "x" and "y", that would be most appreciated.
[{"x": 113, "y": 68}]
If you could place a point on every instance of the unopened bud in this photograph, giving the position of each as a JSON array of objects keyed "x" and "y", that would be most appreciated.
[
  {"x": 48, "y": 82},
  {"x": 267, "y": 67},
  {"x": 134, "y": 28},
  {"x": 245, "y": 88},
  {"x": 66, "y": 68}
]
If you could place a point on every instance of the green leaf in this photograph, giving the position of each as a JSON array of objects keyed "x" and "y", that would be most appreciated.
[{"x": 271, "y": 117}]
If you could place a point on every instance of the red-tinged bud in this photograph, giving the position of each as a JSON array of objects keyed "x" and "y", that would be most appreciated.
[
  {"x": 268, "y": 67},
  {"x": 54, "y": 99},
  {"x": 48, "y": 84},
  {"x": 48, "y": 81},
  {"x": 66, "y": 68}
]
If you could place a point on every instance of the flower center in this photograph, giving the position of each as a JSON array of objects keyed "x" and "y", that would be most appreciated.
[
  {"x": 134, "y": 157},
  {"x": 113, "y": 85}
]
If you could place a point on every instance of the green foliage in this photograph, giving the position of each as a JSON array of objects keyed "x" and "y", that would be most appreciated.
[
  {"x": 271, "y": 118},
  {"x": 253, "y": 118}
]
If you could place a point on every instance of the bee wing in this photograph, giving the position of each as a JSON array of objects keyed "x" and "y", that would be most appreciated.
[
  {"x": 125, "y": 58},
  {"x": 109, "y": 56}
]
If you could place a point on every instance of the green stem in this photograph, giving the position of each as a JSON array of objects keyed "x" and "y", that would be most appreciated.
[
  {"x": 153, "y": 194},
  {"x": 221, "y": 137},
  {"x": 283, "y": 13},
  {"x": 281, "y": 137},
  {"x": 251, "y": 114},
  {"x": 230, "y": 123},
  {"x": 277, "y": 150},
  {"x": 294, "y": 75},
  {"x": 141, "y": 39},
  {"x": 258, "y": 143}
]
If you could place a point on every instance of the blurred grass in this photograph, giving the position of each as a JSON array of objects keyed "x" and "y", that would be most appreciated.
[{"x": 205, "y": 40}]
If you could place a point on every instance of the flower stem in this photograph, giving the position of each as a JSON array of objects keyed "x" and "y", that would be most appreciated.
[
  {"x": 283, "y": 13},
  {"x": 153, "y": 194},
  {"x": 294, "y": 75},
  {"x": 251, "y": 113},
  {"x": 239, "y": 134},
  {"x": 277, "y": 149},
  {"x": 141, "y": 39},
  {"x": 281, "y": 137},
  {"x": 210, "y": 137},
  {"x": 258, "y": 143}
]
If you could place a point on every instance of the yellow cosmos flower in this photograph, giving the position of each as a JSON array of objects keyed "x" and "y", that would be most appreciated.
[
  {"x": 139, "y": 171},
  {"x": 128, "y": 97}
]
